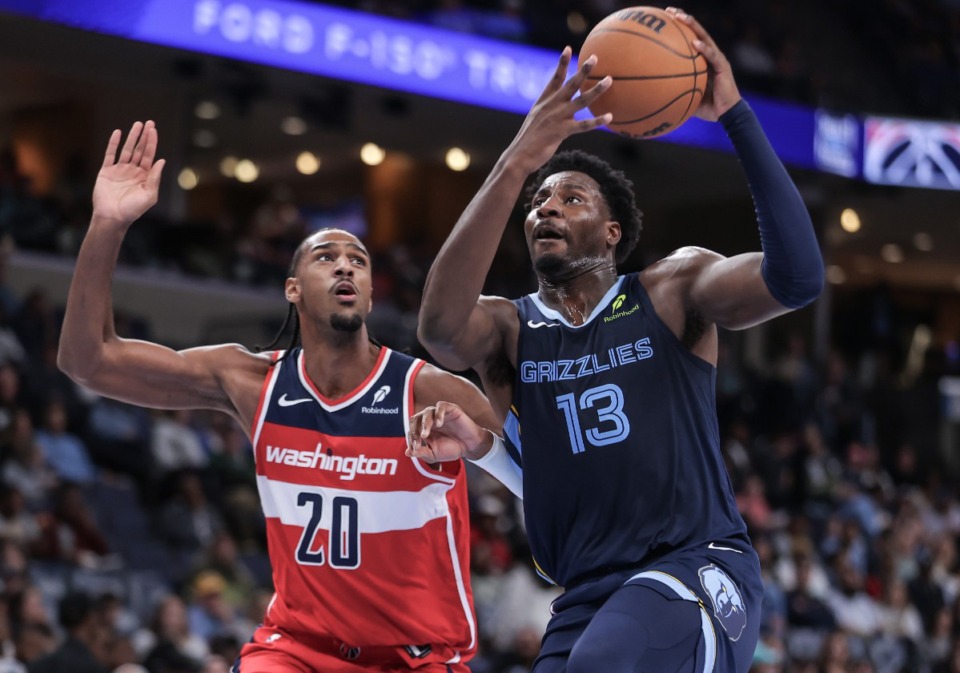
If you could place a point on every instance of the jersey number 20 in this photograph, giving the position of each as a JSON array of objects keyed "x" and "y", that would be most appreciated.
[
  {"x": 608, "y": 401},
  {"x": 344, "y": 539}
]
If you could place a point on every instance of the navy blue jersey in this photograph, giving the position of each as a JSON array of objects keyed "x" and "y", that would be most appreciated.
[{"x": 615, "y": 425}]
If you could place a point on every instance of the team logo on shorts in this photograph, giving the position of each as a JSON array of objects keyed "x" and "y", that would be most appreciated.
[
  {"x": 273, "y": 637},
  {"x": 726, "y": 598},
  {"x": 349, "y": 652}
]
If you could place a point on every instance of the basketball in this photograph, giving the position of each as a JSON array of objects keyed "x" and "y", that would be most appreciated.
[{"x": 658, "y": 76}]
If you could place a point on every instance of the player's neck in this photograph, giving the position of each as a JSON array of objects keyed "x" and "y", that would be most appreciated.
[
  {"x": 337, "y": 365},
  {"x": 575, "y": 295}
]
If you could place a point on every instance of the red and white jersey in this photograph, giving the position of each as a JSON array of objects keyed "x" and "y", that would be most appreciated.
[{"x": 367, "y": 545}]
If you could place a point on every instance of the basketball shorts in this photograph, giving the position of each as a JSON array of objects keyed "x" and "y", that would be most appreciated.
[
  {"x": 695, "y": 610},
  {"x": 273, "y": 650}
]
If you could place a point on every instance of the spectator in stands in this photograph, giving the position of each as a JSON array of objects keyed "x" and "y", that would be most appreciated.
[
  {"x": 78, "y": 653},
  {"x": 17, "y": 523},
  {"x": 71, "y": 533},
  {"x": 176, "y": 647},
  {"x": 64, "y": 451},
  {"x": 189, "y": 522},
  {"x": 33, "y": 641},
  {"x": 174, "y": 444},
  {"x": 27, "y": 468}
]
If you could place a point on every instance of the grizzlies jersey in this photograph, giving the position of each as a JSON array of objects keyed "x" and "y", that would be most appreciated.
[
  {"x": 368, "y": 546},
  {"x": 614, "y": 422}
]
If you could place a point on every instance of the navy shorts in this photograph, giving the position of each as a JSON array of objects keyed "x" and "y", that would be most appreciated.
[{"x": 696, "y": 610}]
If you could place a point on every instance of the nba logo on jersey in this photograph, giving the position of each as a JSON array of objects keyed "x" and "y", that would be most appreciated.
[{"x": 727, "y": 601}]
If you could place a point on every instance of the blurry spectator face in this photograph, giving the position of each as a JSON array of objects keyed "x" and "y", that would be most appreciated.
[
  {"x": 56, "y": 417},
  {"x": 34, "y": 641},
  {"x": 172, "y": 618},
  {"x": 9, "y": 384},
  {"x": 33, "y": 609}
]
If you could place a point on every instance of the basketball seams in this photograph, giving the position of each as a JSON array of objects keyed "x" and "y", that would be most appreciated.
[
  {"x": 688, "y": 92},
  {"x": 696, "y": 74},
  {"x": 642, "y": 36}
]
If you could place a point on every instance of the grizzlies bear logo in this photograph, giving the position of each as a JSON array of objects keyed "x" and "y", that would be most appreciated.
[{"x": 726, "y": 598}]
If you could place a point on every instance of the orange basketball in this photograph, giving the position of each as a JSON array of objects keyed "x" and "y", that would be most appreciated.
[{"x": 658, "y": 76}]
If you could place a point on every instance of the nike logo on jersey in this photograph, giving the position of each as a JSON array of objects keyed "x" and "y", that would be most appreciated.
[
  {"x": 719, "y": 548},
  {"x": 537, "y": 325},
  {"x": 284, "y": 402}
]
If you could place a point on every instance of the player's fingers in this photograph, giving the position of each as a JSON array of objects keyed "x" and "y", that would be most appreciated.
[
  {"x": 110, "y": 156},
  {"x": 153, "y": 180},
  {"x": 426, "y": 423},
  {"x": 132, "y": 138},
  {"x": 573, "y": 84},
  {"x": 584, "y": 125},
  {"x": 695, "y": 25},
  {"x": 594, "y": 92},
  {"x": 559, "y": 75},
  {"x": 149, "y": 145}
]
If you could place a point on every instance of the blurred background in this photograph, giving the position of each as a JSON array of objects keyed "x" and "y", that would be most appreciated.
[{"x": 138, "y": 534}]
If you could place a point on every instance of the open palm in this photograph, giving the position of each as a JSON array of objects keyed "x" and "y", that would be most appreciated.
[{"x": 128, "y": 185}]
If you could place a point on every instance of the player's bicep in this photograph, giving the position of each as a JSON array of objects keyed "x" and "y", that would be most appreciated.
[
  {"x": 152, "y": 375},
  {"x": 730, "y": 291}
]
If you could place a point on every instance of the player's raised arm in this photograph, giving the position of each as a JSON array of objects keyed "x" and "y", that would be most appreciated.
[
  {"x": 90, "y": 351},
  {"x": 744, "y": 290},
  {"x": 454, "y": 327}
]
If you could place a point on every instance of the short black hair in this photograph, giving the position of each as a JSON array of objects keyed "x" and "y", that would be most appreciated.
[
  {"x": 74, "y": 609},
  {"x": 615, "y": 187}
]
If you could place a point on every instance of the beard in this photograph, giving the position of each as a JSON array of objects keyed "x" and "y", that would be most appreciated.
[
  {"x": 549, "y": 265},
  {"x": 346, "y": 323}
]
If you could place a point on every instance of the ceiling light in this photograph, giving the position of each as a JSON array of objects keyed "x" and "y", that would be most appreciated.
[
  {"x": 207, "y": 109},
  {"x": 293, "y": 126},
  {"x": 892, "y": 253},
  {"x": 576, "y": 24},
  {"x": 246, "y": 171},
  {"x": 372, "y": 154},
  {"x": 457, "y": 159},
  {"x": 188, "y": 179},
  {"x": 204, "y": 138},
  {"x": 836, "y": 275},
  {"x": 308, "y": 163},
  {"x": 850, "y": 220},
  {"x": 923, "y": 241},
  {"x": 228, "y": 166}
]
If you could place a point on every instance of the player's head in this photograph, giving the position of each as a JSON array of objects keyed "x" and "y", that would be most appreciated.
[
  {"x": 329, "y": 284},
  {"x": 575, "y": 191}
]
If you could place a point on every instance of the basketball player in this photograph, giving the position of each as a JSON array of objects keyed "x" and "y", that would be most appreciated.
[
  {"x": 606, "y": 386},
  {"x": 369, "y": 548}
]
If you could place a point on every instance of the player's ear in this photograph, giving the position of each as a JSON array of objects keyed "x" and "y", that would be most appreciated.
[
  {"x": 613, "y": 233},
  {"x": 291, "y": 290}
]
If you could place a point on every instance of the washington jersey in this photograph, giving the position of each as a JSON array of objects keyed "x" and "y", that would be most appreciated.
[
  {"x": 367, "y": 545},
  {"x": 614, "y": 422}
]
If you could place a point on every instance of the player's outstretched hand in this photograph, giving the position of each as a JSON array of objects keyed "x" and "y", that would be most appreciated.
[
  {"x": 128, "y": 185},
  {"x": 443, "y": 433},
  {"x": 721, "y": 93},
  {"x": 551, "y": 119}
]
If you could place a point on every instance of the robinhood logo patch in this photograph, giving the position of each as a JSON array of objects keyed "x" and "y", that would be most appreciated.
[{"x": 615, "y": 311}]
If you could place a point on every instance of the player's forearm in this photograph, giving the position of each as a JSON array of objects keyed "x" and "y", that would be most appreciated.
[
  {"x": 793, "y": 265},
  {"x": 457, "y": 275},
  {"x": 88, "y": 320}
]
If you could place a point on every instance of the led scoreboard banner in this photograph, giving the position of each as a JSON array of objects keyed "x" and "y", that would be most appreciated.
[{"x": 419, "y": 59}]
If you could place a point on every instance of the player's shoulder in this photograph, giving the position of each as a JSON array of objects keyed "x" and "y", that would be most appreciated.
[
  {"x": 680, "y": 264},
  {"x": 232, "y": 357}
]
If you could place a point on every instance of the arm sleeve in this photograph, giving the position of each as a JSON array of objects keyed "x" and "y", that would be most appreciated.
[
  {"x": 792, "y": 263},
  {"x": 499, "y": 464}
]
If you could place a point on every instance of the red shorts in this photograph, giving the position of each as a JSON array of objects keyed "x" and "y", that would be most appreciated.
[{"x": 274, "y": 650}]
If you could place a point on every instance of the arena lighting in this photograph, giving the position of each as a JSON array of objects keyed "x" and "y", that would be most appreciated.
[
  {"x": 308, "y": 163},
  {"x": 228, "y": 166},
  {"x": 378, "y": 51},
  {"x": 835, "y": 274},
  {"x": 892, "y": 253},
  {"x": 850, "y": 221},
  {"x": 246, "y": 171},
  {"x": 293, "y": 126},
  {"x": 457, "y": 159},
  {"x": 206, "y": 109},
  {"x": 923, "y": 241},
  {"x": 188, "y": 179},
  {"x": 372, "y": 154}
]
